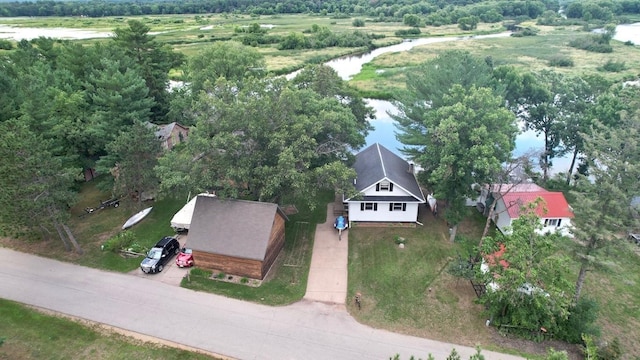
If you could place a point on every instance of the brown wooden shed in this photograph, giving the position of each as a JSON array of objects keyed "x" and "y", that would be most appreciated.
[{"x": 236, "y": 237}]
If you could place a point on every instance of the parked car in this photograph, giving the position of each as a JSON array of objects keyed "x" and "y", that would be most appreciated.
[
  {"x": 159, "y": 255},
  {"x": 185, "y": 258}
]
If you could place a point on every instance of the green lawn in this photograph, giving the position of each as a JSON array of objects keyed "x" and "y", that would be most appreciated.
[
  {"x": 29, "y": 334},
  {"x": 408, "y": 290}
]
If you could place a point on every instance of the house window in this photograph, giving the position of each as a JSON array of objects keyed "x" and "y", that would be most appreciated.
[
  {"x": 397, "y": 207},
  {"x": 552, "y": 222},
  {"x": 384, "y": 186},
  {"x": 369, "y": 206}
]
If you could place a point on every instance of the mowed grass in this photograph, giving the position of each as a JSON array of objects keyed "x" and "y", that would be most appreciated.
[
  {"x": 408, "y": 290},
  {"x": 30, "y": 334},
  {"x": 286, "y": 282},
  {"x": 617, "y": 290}
]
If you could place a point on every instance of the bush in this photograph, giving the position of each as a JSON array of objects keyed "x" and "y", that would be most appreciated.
[
  {"x": 613, "y": 66},
  {"x": 591, "y": 43},
  {"x": 409, "y": 32},
  {"x": 581, "y": 320},
  {"x": 561, "y": 61},
  {"x": 528, "y": 31},
  {"x": 5, "y": 44},
  {"x": 358, "y": 23},
  {"x": 119, "y": 242}
]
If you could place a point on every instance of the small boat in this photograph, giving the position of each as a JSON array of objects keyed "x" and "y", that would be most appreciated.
[{"x": 136, "y": 218}]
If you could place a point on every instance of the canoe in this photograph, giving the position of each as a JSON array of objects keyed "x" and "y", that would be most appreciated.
[{"x": 136, "y": 218}]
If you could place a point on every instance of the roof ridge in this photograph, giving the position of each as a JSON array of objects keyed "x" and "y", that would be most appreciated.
[{"x": 384, "y": 170}]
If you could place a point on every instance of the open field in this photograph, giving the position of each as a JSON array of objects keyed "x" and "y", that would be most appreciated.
[
  {"x": 387, "y": 73},
  {"x": 190, "y": 33}
]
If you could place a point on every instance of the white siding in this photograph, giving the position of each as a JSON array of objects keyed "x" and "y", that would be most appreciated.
[
  {"x": 383, "y": 214},
  {"x": 397, "y": 191},
  {"x": 503, "y": 221}
]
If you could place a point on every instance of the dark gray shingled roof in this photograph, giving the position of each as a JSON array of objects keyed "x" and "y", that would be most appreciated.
[
  {"x": 229, "y": 227},
  {"x": 376, "y": 163}
]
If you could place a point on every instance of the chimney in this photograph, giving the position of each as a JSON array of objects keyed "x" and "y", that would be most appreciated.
[{"x": 410, "y": 169}]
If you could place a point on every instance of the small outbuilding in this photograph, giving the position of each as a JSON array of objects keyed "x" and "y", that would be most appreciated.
[{"x": 237, "y": 237}]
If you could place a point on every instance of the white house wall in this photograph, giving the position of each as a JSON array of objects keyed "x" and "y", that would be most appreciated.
[
  {"x": 383, "y": 214},
  {"x": 397, "y": 191},
  {"x": 503, "y": 221}
]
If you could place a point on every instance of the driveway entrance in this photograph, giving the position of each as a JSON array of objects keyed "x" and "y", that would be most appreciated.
[{"x": 328, "y": 271}]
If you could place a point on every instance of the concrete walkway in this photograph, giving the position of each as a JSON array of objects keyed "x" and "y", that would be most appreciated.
[{"x": 328, "y": 271}]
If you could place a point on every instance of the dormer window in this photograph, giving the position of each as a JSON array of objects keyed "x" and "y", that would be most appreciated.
[{"x": 384, "y": 185}]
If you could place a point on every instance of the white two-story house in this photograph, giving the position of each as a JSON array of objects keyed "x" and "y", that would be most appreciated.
[{"x": 387, "y": 186}]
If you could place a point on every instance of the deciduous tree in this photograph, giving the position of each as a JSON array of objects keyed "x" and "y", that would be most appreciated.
[
  {"x": 527, "y": 286},
  {"x": 265, "y": 140},
  {"x": 461, "y": 142}
]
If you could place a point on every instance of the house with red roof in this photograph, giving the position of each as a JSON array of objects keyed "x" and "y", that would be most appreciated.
[{"x": 554, "y": 211}]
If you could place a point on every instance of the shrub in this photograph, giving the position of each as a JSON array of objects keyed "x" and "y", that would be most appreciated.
[
  {"x": 5, "y": 44},
  {"x": 581, "y": 320},
  {"x": 613, "y": 66},
  {"x": 591, "y": 43},
  {"x": 358, "y": 23},
  {"x": 244, "y": 280},
  {"x": 561, "y": 61},
  {"x": 408, "y": 32},
  {"x": 121, "y": 241},
  {"x": 221, "y": 275}
]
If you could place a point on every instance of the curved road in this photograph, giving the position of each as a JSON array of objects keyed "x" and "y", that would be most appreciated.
[{"x": 305, "y": 330}]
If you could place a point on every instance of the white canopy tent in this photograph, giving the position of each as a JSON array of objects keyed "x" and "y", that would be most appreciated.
[{"x": 182, "y": 219}]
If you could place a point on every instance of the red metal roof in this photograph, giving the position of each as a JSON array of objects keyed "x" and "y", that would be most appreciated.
[{"x": 555, "y": 204}]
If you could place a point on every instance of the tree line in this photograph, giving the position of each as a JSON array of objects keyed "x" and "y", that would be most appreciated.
[
  {"x": 458, "y": 121},
  {"x": 388, "y": 9},
  {"x": 68, "y": 107}
]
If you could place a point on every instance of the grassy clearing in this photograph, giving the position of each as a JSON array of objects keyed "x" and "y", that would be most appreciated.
[
  {"x": 30, "y": 334},
  {"x": 287, "y": 280},
  {"x": 387, "y": 72},
  {"x": 617, "y": 290}
]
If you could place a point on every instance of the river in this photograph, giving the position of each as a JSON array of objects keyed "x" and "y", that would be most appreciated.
[{"x": 384, "y": 127}]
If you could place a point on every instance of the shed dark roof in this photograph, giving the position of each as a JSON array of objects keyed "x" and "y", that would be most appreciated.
[
  {"x": 235, "y": 228},
  {"x": 376, "y": 163}
]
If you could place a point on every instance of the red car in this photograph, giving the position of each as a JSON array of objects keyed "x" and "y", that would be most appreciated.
[{"x": 185, "y": 258}]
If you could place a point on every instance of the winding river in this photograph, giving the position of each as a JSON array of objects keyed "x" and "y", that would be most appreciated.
[{"x": 384, "y": 128}]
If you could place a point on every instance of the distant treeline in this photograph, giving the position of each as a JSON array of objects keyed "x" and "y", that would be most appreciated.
[
  {"x": 379, "y": 9},
  {"x": 433, "y": 12}
]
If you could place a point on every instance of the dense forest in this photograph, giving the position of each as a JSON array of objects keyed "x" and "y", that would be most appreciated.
[{"x": 436, "y": 12}]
